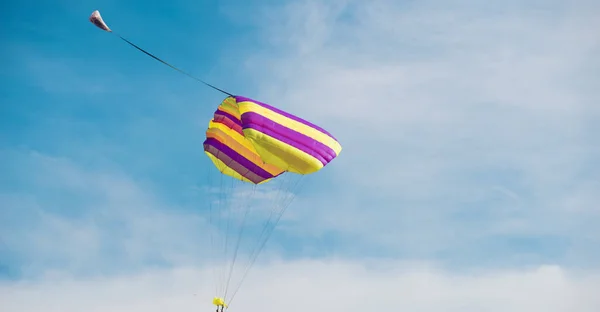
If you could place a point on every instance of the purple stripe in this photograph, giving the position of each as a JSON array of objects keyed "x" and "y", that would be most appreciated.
[
  {"x": 229, "y": 124},
  {"x": 298, "y": 140},
  {"x": 228, "y": 115},
  {"x": 288, "y": 115},
  {"x": 229, "y": 121},
  {"x": 230, "y": 153}
]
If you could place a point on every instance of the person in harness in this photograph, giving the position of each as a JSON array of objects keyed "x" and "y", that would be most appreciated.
[{"x": 220, "y": 303}]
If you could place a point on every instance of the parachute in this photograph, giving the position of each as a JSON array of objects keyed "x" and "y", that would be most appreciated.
[
  {"x": 257, "y": 144},
  {"x": 260, "y": 154}
]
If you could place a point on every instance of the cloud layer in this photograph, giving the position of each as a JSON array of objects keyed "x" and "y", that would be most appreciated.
[
  {"x": 463, "y": 125},
  {"x": 332, "y": 285}
]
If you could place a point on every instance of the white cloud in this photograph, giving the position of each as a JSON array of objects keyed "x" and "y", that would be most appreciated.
[
  {"x": 333, "y": 285},
  {"x": 489, "y": 84},
  {"x": 438, "y": 106},
  {"x": 73, "y": 218},
  {"x": 70, "y": 218}
]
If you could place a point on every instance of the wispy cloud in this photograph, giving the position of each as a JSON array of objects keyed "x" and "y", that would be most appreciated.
[
  {"x": 332, "y": 285},
  {"x": 64, "y": 217},
  {"x": 438, "y": 108}
]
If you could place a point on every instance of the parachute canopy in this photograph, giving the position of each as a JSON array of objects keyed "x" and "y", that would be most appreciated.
[{"x": 255, "y": 142}]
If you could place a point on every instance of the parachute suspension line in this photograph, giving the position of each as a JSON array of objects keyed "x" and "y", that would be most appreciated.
[
  {"x": 217, "y": 230},
  {"x": 212, "y": 230},
  {"x": 256, "y": 252},
  {"x": 239, "y": 237},
  {"x": 229, "y": 209},
  {"x": 96, "y": 19},
  {"x": 215, "y": 223},
  {"x": 283, "y": 207},
  {"x": 224, "y": 189},
  {"x": 233, "y": 207},
  {"x": 278, "y": 216},
  {"x": 218, "y": 225},
  {"x": 262, "y": 243}
]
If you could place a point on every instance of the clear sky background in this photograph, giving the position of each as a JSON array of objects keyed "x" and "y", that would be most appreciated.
[{"x": 469, "y": 179}]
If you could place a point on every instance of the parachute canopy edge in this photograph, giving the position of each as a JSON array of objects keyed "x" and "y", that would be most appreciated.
[{"x": 96, "y": 19}]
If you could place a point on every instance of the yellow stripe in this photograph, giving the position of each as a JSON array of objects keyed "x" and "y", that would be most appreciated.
[
  {"x": 231, "y": 110},
  {"x": 224, "y": 169},
  {"x": 233, "y": 144},
  {"x": 317, "y": 135},
  {"x": 283, "y": 155},
  {"x": 230, "y": 105},
  {"x": 239, "y": 148},
  {"x": 232, "y": 133}
]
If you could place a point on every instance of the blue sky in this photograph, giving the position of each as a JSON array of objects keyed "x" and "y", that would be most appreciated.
[{"x": 469, "y": 135}]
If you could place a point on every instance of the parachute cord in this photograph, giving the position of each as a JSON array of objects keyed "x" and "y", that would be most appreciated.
[
  {"x": 230, "y": 208},
  {"x": 237, "y": 245},
  {"x": 254, "y": 250},
  {"x": 221, "y": 199},
  {"x": 173, "y": 67},
  {"x": 266, "y": 224},
  {"x": 255, "y": 254},
  {"x": 212, "y": 231},
  {"x": 223, "y": 203}
]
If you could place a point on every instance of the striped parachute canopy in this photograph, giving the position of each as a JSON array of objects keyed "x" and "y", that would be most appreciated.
[{"x": 255, "y": 142}]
